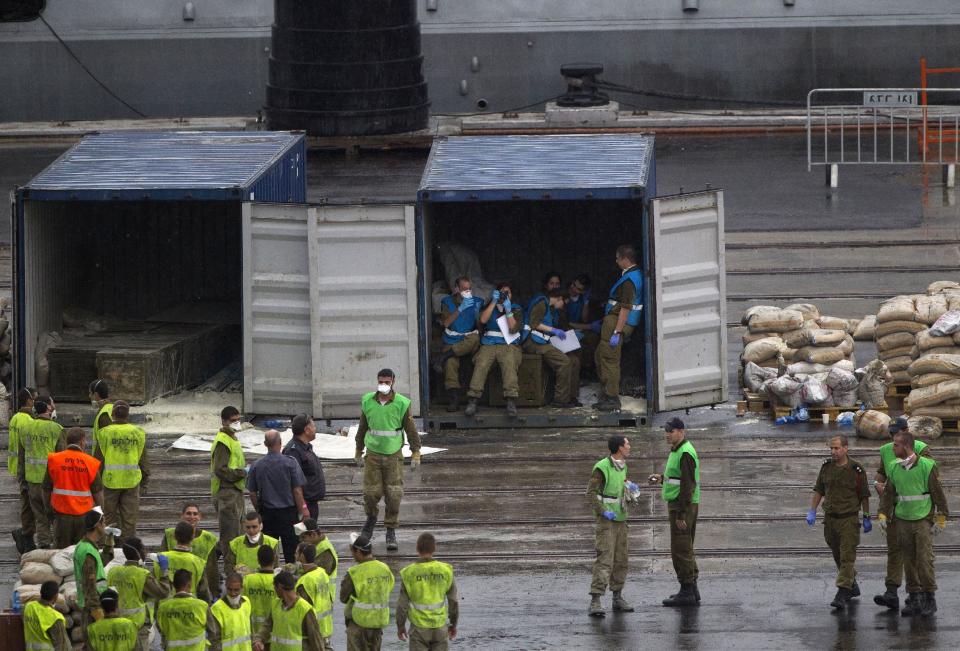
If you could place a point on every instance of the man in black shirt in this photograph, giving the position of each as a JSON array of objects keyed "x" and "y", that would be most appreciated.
[{"x": 300, "y": 448}]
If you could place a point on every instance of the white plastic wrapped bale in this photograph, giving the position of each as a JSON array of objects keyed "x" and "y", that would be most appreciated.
[
  {"x": 815, "y": 392},
  {"x": 843, "y": 387},
  {"x": 874, "y": 379},
  {"x": 755, "y": 376},
  {"x": 785, "y": 391}
]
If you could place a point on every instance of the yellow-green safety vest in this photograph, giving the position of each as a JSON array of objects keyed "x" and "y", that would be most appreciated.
[
  {"x": 316, "y": 583},
  {"x": 385, "y": 435},
  {"x": 887, "y": 455},
  {"x": 20, "y": 421},
  {"x": 39, "y": 439},
  {"x": 37, "y": 620},
  {"x": 180, "y": 560},
  {"x": 370, "y": 602},
  {"x": 258, "y": 588},
  {"x": 671, "y": 474},
  {"x": 122, "y": 447},
  {"x": 913, "y": 488},
  {"x": 611, "y": 494},
  {"x": 83, "y": 549},
  {"x": 108, "y": 409},
  {"x": 113, "y": 634},
  {"x": 427, "y": 584},
  {"x": 128, "y": 581},
  {"x": 235, "y": 633},
  {"x": 183, "y": 622},
  {"x": 247, "y": 556},
  {"x": 237, "y": 461},
  {"x": 201, "y": 546},
  {"x": 323, "y": 546},
  {"x": 287, "y": 631}
]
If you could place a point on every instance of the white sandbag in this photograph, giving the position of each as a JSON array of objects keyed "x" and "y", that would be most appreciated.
[
  {"x": 926, "y": 341},
  {"x": 928, "y": 427},
  {"x": 874, "y": 378},
  {"x": 796, "y": 338},
  {"x": 931, "y": 308},
  {"x": 806, "y": 368},
  {"x": 834, "y": 323},
  {"x": 936, "y": 363},
  {"x": 762, "y": 350},
  {"x": 754, "y": 376},
  {"x": 756, "y": 309},
  {"x": 940, "y": 350},
  {"x": 37, "y": 556},
  {"x": 809, "y": 311},
  {"x": 896, "y": 364},
  {"x": 820, "y": 355},
  {"x": 898, "y": 308},
  {"x": 866, "y": 328},
  {"x": 841, "y": 380},
  {"x": 871, "y": 424},
  {"x": 902, "y": 351},
  {"x": 844, "y": 399},
  {"x": 929, "y": 379},
  {"x": 779, "y": 321},
  {"x": 891, "y": 327},
  {"x": 939, "y": 286},
  {"x": 38, "y": 573},
  {"x": 938, "y": 411},
  {"x": 814, "y": 392},
  {"x": 62, "y": 561},
  {"x": 895, "y": 340},
  {"x": 785, "y": 391},
  {"x": 935, "y": 394},
  {"x": 946, "y": 324},
  {"x": 28, "y": 592},
  {"x": 754, "y": 336},
  {"x": 824, "y": 337}
]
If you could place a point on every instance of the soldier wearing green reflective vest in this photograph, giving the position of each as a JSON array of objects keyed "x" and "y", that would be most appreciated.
[
  {"x": 228, "y": 622},
  {"x": 122, "y": 448},
  {"x": 384, "y": 419},
  {"x": 88, "y": 566},
  {"x": 114, "y": 632},
  {"x": 22, "y": 536},
  {"x": 258, "y": 587},
  {"x": 607, "y": 495},
  {"x": 365, "y": 590},
  {"x": 182, "y": 557},
  {"x": 327, "y": 558},
  {"x": 314, "y": 586},
  {"x": 681, "y": 492},
  {"x": 135, "y": 586},
  {"x": 291, "y": 624},
  {"x": 228, "y": 472},
  {"x": 913, "y": 486},
  {"x": 44, "y": 628},
  {"x": 43, "y": 436},
  {"x": 428, "y": 594},
  {"x": 242, "y": 550},
  {"x": 99, "y": 400},
  {"x": 894, "y": 576},
  {"x": 203, "y": 545},
  {"x": 182, "y": 620}
]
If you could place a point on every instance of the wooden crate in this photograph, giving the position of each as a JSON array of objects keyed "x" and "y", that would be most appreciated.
[
  {"x": 532, "y": 378},
  {"x": 755, "y": 402},
  {"x": 818, "y": 412},
  {"x": 71, "y": 372},
  {"x": 139, "y": 375}
]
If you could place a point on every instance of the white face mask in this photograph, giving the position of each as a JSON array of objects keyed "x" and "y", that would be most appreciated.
[
  {"x": 234, "y": 601},
  {"x": 253, "y": 539},
  {"x": 466, "y": 294},
  {"x": 383, "y": 388},
  {"x": 53, "y": 415},
  {"x": 237, "y": 426}
]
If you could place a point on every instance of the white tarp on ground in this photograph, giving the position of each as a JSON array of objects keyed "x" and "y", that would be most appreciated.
[{"x": 326, "y": 446}]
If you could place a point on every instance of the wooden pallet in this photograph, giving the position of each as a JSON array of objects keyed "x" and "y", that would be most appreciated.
[
  {"x": 896, "y": 394},
  {"x": 951, "y": 425},
  {"x": 753, "y": 402},
  {"x": 817, "y": 413}
]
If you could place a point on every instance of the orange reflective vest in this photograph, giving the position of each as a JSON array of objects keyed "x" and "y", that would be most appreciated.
[{"x": 72, "y": 473}]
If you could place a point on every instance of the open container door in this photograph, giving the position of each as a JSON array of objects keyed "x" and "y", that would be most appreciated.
[{"x": 689, "y": 300}]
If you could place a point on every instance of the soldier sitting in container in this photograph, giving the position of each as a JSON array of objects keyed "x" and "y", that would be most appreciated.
[
  {"x": 494, "y": 348},
  {"x": 458, "y": 313},
  {"x": 543, "y": 317},
  {"x": 577, "y": 315}
]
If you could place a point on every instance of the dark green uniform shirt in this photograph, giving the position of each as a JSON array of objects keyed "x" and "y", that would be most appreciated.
[{"x": 843, "y": 487}]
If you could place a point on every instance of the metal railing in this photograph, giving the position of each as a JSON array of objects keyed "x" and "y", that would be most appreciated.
[{"x": 882, "y": 126}]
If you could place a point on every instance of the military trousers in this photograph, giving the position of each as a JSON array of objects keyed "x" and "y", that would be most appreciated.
[
  {"x": 588, "y": 348},
  {"x": 561, "y": 365},
  {"x": 607, "y": 357},
  {"x": 27, "y": 522},
  {"x": 121, "y": 509},
  {"x": 363, "y": 639},
  {"x": 383, "y": 479},
  {"x": 610, "y": 567},
  {"x": 228, "y": 503},
  {"x": 429, "y": 639},
  {"x": 451, "y": 368},
  {"x": 40, "y": 507},
  {"x": 916, "y": 546},
  {"x": 843, "y": 537},
  {"x": 67, "y": 529},
  {"x": 143, "y": 638},
  {"x": 894, "y": 558},
  {"x": 681, "y": 544},
  {"x": 508, "y": 358}
]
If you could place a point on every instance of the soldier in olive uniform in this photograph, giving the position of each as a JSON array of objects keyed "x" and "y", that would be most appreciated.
[{"x": 842, "y": 485}]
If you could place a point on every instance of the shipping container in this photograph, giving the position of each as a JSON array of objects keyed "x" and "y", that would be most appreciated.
[{"x": 141, "y": 231}]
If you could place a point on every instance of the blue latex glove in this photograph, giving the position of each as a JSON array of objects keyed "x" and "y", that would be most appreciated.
[
  {"x": 495, "y": 296},
  {"x": 466, "y": 304},
  {"x": 867, "y": 524},
  {"x": 615, "y": 340},
  {"x": 163, "y": 562},
  {"x": 633, "y": 488},
  {"x": 558, "y": 333},
  {"x": 507, "y": 305},
  {"x": 247, "y": 469},
  {"x": 811, "y": 517},
  {"x": 596, "y": 326},
  {"x": 610, "y": 515}
]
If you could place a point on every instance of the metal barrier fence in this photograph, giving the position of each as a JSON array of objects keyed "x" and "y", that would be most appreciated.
[{"x": 883, "y": 126}]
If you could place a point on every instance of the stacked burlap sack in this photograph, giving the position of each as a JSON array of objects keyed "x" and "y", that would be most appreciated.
[
  {"x": 871, "y": 424},
  {"x": 42, "y": 565}
]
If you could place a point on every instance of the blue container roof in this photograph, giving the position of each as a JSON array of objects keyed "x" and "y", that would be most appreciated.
[
  {"x": 169, "y": 165},
  {"x": 492, "y": 168}
]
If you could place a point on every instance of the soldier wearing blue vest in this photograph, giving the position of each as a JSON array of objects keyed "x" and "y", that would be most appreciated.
[
  {"x": 621, "y": 315},
  {"x": 913, "y": 485},
  {"x": 681, "y": 492},
  {"x": 459, "y": 314},
  {"x": 608, "y": 498},
  {"x": 494, "y": 348},
  {"x": 578, "y": 315},
  {"x": 543, "y": 317},
  {"x": 385, "y": 417}
]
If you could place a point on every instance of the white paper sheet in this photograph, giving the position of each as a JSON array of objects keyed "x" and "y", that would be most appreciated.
[
  {"x": 326, "y": 446},
  {"x": 505, "y": 330},
  {"x": 569, "y": 344}
]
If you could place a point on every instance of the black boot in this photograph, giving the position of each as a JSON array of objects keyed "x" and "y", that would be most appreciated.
[
  {"x": 602, "y": 401},
  {"x": 854, "y": 590},
  {"x": 453, "y": 404},
  {"x": 841, "y": 599},
  {"x": 686, "y": 597},
  {"x": 512, "y": 407},
  {"x": 913, "y": 605},
  {"x": 696, "y": 590},
  {"x": 28, "y": 544},
  {"x": 471, "y": 407},
  {"x": 368, "y": 526},
  {"x": 929, "y": 604},
  {"x": 18, "y": 540},
  {"x": 392, "y": 540},
  {"x": 888, "y": 598}
]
